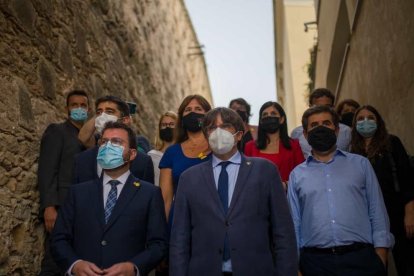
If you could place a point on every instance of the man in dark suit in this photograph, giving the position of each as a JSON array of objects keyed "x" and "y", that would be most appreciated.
[
  {"x": 86, "y": 167},
  {"x": 231, "y": 213},
  {"x": 114, "y": 225},
  {"x": 58, "y": 147}
]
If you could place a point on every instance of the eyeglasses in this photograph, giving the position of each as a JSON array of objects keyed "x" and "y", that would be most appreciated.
[
  {"x": 114, "y": 141},
  {"x": 171, "y": 125}
]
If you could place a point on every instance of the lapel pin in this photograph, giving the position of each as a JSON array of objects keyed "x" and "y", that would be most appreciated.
[
  {"x": 248, "y": 163},
  {"x": 137, "y": 184},
  {"x": 202, "y": 155}
]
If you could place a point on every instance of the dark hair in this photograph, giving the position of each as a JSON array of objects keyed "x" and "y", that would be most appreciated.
[
  {"x": 380, "y": 141},
  {"x": 122, "y": 105},
  {"x": 319, "y": 93},
  {"x": 180, "y": 133},
  {"x": 228, "y": 116},
  {"x": 317, "y": 110},
  {"x": 76, "y": 93},
  {"x": 342, "y": 104},
  {"x": 242, "y": 102},
  {"x": 262, "y": 139},
  {"x": 118, "y": 125}
]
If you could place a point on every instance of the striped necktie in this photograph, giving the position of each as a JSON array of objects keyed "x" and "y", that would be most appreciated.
[{"x": 111, "y": 201}]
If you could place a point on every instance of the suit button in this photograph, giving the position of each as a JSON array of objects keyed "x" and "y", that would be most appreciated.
[
  {"x": 228, "y": 223},
  {"x": 103, "y": 243},
  {"x": 220, "y": 251}
]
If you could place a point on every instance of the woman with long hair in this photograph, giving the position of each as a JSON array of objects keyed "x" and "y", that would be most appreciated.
[
  {"x": 273, "y": 141},
  {"x": 191, "y": 147},
  {"x": 164, "y": 138},
  {"x": 389, "y": 159}
]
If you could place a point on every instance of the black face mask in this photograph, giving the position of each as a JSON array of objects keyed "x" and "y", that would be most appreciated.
[
  {"x": 270, "y": 124},
  {"x": 322, "y": 138},
  {"x": 243, "y": 115},
  {"x": 167, "y": 134},
  {"x": 192, "y": 121},
  {"x": 347, "y": 118}
]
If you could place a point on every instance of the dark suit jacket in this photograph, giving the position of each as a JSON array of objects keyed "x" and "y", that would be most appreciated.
[
  {"x": 58, "y": 148},
  {"x": 258, "y": 224},
  {"x": 85, "y": 167},
  {"x": 136, "y": 230}
]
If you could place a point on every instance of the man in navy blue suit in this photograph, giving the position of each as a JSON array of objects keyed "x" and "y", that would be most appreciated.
[
  {"x": 108, "y": 108},
  {"x": 114, "y": 225},
  {"x": 231, "y": 214}
]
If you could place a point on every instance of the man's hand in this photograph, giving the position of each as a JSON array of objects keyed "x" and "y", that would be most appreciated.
[
  {"x": 121, "y": 269},
  {"x": 383, "y": 254},
  {"x": 84, "y": 268},
  {"x": 50, "y": 215},
  {"x": 409, "y": 219}
]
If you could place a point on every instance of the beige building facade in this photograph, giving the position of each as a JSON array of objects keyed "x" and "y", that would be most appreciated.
[
  {"x": 365, "y": 52},
  {"x": 293, "y": 46}
]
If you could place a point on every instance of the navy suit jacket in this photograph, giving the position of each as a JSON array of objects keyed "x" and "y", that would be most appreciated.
[
  {"x": 258, "y": 224},
  {"x": 135, "y": 232},
  {"x": 85, "y": 167}
]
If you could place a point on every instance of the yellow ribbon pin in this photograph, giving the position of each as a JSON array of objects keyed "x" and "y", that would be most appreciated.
[{"x": 137, "y": 184}]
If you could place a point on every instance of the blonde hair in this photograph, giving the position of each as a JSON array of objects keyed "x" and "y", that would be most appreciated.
[{"x": 159, "y": 144}]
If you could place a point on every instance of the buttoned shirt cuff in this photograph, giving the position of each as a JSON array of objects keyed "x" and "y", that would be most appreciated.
[
  {"x": 69, "y": 271},
  {"x": 383, "y": 239}
]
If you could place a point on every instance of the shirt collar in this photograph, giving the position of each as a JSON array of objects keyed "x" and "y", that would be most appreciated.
[
  {"x": 235, "y": 159},
  {"x": 123, "y": 178},
  {"x": 311, "y": 158}
]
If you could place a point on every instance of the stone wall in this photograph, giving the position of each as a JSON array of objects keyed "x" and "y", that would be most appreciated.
[{"x": 143, "y": 51}]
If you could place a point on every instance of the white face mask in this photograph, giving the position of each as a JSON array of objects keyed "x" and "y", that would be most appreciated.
[
  {"x": 221, "y": 141},
  {"x": 102, "y": 119}
]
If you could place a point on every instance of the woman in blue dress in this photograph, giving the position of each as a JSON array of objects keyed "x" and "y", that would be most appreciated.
[{"x": 191, "y": 148}]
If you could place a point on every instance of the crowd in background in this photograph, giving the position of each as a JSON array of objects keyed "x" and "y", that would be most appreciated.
[{"x": 331, "y": 198}]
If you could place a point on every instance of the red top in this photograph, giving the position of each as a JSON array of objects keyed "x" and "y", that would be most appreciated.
[{"x": 286, "y": 160}]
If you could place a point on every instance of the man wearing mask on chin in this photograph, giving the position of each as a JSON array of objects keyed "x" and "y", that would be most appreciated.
[
  {"x": 231, "y": 213},
  {"x": 114, "y": 225},
  {"x": 108, "y": 109},
  {"x": 341, "y": 223},
  {"x": 58, "y": 148}
]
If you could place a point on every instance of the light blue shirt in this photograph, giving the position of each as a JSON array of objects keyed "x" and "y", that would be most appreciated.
[
  {"x": 343, "y": 141},
  {"x": 233, "y": 172},
  {"x": 338, "y": 203}
]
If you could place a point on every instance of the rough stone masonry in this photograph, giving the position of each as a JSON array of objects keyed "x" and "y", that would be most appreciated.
[{"x": 143, "y": 51}]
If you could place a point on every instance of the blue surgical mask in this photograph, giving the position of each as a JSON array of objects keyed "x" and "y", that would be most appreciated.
[
  {"x": 110, "y": 156},
  {"x": 79, "y": 114},
  {"x": 366, "y": 128}
]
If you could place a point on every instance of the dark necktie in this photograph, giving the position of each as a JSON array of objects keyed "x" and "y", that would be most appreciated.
[
  {"x": 223, "y": 191},
  {"x": 223, "y": 185},
  {"x": 111, "y": 200}
]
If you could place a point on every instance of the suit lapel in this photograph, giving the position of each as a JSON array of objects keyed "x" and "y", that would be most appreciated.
[
  {"x": 211, "y": 184},
  {"x": 244, "y": 171},
  {"x": 124, "y": 198},
  {"x": 100, "y": 213}
]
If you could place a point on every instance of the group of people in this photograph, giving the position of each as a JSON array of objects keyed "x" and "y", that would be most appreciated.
[{"x": 218, "y": 196}]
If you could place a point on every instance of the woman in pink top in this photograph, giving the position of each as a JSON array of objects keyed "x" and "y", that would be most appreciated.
[{"x": 273, "y": 142}]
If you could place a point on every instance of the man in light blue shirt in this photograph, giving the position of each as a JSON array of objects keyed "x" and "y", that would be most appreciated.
[
  {"x": 322, "y": 96},
  {"x": 337, "y": 206},
  {"x": 231, "y": 214}
]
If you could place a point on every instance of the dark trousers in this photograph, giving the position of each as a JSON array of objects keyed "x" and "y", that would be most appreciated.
[
  {"x": 48, "y": 266},
  {"x": 403, "y": 253},
  {"x": 362, "y": 262}
]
